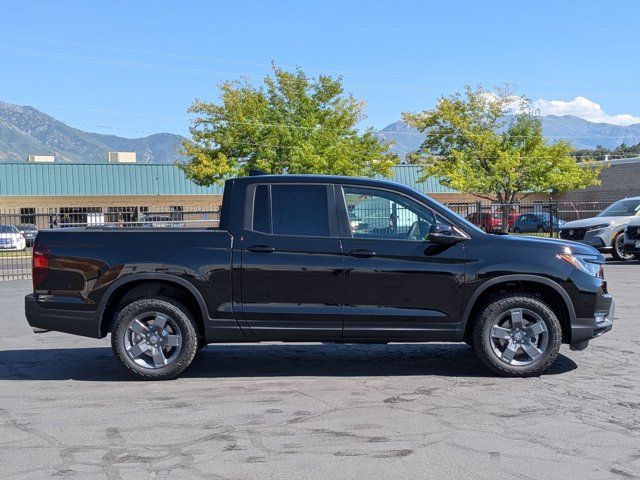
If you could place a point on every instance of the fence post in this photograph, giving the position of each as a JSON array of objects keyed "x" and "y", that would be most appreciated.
[{"x": 553, "y": 213}]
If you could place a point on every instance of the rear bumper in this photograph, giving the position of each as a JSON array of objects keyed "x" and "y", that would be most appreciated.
[
  {"x": 585, "y": 329},
  {"x": 76, "y": 322}
]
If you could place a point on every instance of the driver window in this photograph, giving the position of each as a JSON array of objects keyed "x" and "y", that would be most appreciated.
[{"x": 382, "y": 214}]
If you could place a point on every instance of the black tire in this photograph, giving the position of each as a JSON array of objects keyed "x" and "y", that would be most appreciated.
[
  {"x": 516, "y": 230},
  {"x": 495, "y": 309},
  {"x": 618, "y": 249},
  {"x": 182, "y": 323}
]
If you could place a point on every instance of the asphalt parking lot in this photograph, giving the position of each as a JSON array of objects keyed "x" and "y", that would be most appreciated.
[{"x": 319, "y": 411}]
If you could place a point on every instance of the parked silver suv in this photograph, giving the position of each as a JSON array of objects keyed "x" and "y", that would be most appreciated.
[{"x": 605, "y": 231}]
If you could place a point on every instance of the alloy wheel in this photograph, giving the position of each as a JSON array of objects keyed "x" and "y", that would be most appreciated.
[
  {"x": 519, "y": 337},
  {"x": 152, "y": 340},
  {"x": 619, "y": 246}
]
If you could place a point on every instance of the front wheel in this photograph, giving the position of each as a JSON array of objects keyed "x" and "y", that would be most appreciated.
[
  {"x": 155, "y": 338},
  {"x": 618, "y": 249},
  {"x": 517, "y": 335}
]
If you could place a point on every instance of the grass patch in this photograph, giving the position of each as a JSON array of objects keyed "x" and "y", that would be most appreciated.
[{"x": 14, "y": 254}]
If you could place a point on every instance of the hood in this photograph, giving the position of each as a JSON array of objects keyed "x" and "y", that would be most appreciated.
[
  {"x": 590, "y": 222},
  {"x": 551, "y": 243}
]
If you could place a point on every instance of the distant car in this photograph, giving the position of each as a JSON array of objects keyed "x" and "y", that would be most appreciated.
[
  {"x": 28, "y": 231},
  {"x": 490, "y": 222},
  {"x": 536, "y": 222},
  {"x": 159, "y": 221},
  {"x": 11, "y": 238},
  {"x": 606, "y": 230},
  {"x": 632, "y": 239}
]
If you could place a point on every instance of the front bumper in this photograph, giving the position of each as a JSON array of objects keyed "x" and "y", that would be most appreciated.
[
  {"x": 600, "y": 239},
  {"x": 631, "y": 246},
  {"x": 76, "y": 322},
  {"x": 585, "y": 329}
]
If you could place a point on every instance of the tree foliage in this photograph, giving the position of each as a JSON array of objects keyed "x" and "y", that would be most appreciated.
[
  {"x": 476, "y": 144},
  {"x": 600, "y": 153},
  {"x": 290, "y": 124}
]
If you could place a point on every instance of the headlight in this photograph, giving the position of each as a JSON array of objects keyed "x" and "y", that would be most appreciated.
[
  {"x": 598, "y": 227},
  {"x": 589, "y": 264}
]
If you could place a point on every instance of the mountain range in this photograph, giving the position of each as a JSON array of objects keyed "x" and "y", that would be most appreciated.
[
  {"x": 581, "y": 133},
  {"x": 27, "y": 131}
]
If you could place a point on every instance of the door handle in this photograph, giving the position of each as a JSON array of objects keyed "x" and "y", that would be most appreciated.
[
  {"x": 362, "y": 253},
  {"x": 261, "y": 249}
]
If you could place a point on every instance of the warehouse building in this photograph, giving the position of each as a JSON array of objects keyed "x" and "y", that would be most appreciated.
[{"x": 48, "y": 194}]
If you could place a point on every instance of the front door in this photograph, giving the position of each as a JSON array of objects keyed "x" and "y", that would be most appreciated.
[
  {"x": 292, "y": 263},
  {"x": 398, "y": 285}
]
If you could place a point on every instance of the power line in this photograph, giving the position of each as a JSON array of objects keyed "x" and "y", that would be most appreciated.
[
  {"x": 194, "y": 71},
  {"x": 319, "y": 69},
  {"x": 220, "y": 74}
]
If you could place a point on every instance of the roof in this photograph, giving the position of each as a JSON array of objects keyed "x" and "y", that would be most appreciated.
[
  {"x": 621, "y": 161},
  {"x": 410, "y": 174},
  {"x": 68, "y": 179}
]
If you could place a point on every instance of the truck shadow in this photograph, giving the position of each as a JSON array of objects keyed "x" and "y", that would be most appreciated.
[{"x": 263, "y": 360}]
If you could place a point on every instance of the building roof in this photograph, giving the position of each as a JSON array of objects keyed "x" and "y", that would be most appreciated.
[
  {"x": 68, "y": 179},
  {"x": 410, "y": 175}
]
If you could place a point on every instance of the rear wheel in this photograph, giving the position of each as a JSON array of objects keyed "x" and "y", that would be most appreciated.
[
  {"x": 155, "y": 338},
  {"x": 517, "y": 335},
  {"x": 618, "y": 249}
]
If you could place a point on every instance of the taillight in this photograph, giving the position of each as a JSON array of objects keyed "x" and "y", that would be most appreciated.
[{"x": 40, "y": 264}]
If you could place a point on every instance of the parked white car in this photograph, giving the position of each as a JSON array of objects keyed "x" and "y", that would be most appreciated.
[
  {"x": 605, "y": 231},
  {"x": 11, "y": 238}
]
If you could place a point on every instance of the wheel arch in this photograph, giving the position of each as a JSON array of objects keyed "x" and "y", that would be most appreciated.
[
  {"x": 550, "y": 291},
  {"x": 134, "y": 286}
]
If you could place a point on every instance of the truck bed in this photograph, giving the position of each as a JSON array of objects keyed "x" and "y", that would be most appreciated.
[{"x": 87, "y": 264}]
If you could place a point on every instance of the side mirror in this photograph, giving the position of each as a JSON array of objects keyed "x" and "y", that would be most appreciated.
[{"x": 441, "y": 234}]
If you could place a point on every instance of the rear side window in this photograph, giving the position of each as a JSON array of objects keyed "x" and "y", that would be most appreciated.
[
  {"x": 291, "y": 210},
  {"x": 262, "y": 210}
]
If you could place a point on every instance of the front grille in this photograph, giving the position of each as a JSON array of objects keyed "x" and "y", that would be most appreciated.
[
  {"x": 633, "y": 233},
  {"x": 573, "y": 233}
]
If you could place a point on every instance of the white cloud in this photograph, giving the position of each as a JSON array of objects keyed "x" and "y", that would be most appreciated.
[{"x": 584, "y": 108}]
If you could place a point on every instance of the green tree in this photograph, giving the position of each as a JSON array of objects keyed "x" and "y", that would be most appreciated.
[
  {"x": 476, "y": 144},
  {"x": 290, "y": 124}
]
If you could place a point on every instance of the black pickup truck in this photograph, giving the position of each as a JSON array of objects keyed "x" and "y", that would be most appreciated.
[{"x": 320, "y": 259}]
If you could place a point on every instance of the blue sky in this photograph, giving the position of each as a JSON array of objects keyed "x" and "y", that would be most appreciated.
[{"x": 133, "y": 67}]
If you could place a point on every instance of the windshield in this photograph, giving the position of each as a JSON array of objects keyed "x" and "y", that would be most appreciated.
[
  {"x": 622, "y": 208},
  {"x": 8, "y": 229}
]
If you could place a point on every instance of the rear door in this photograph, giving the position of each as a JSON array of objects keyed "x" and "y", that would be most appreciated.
[
  {"x": 398, "y": 284},
  {"x": 292, "y": 265}
]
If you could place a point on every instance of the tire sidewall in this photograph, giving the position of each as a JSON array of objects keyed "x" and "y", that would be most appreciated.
[
  {"x": 497, "y": 307},
  {"x": 185, "y": 324},
  {"x": 618, "y": 251}
]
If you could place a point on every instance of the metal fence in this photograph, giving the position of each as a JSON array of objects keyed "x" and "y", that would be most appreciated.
[
  {"x": 18, "y": 227},
  {"x": 544, "y": 218}
]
